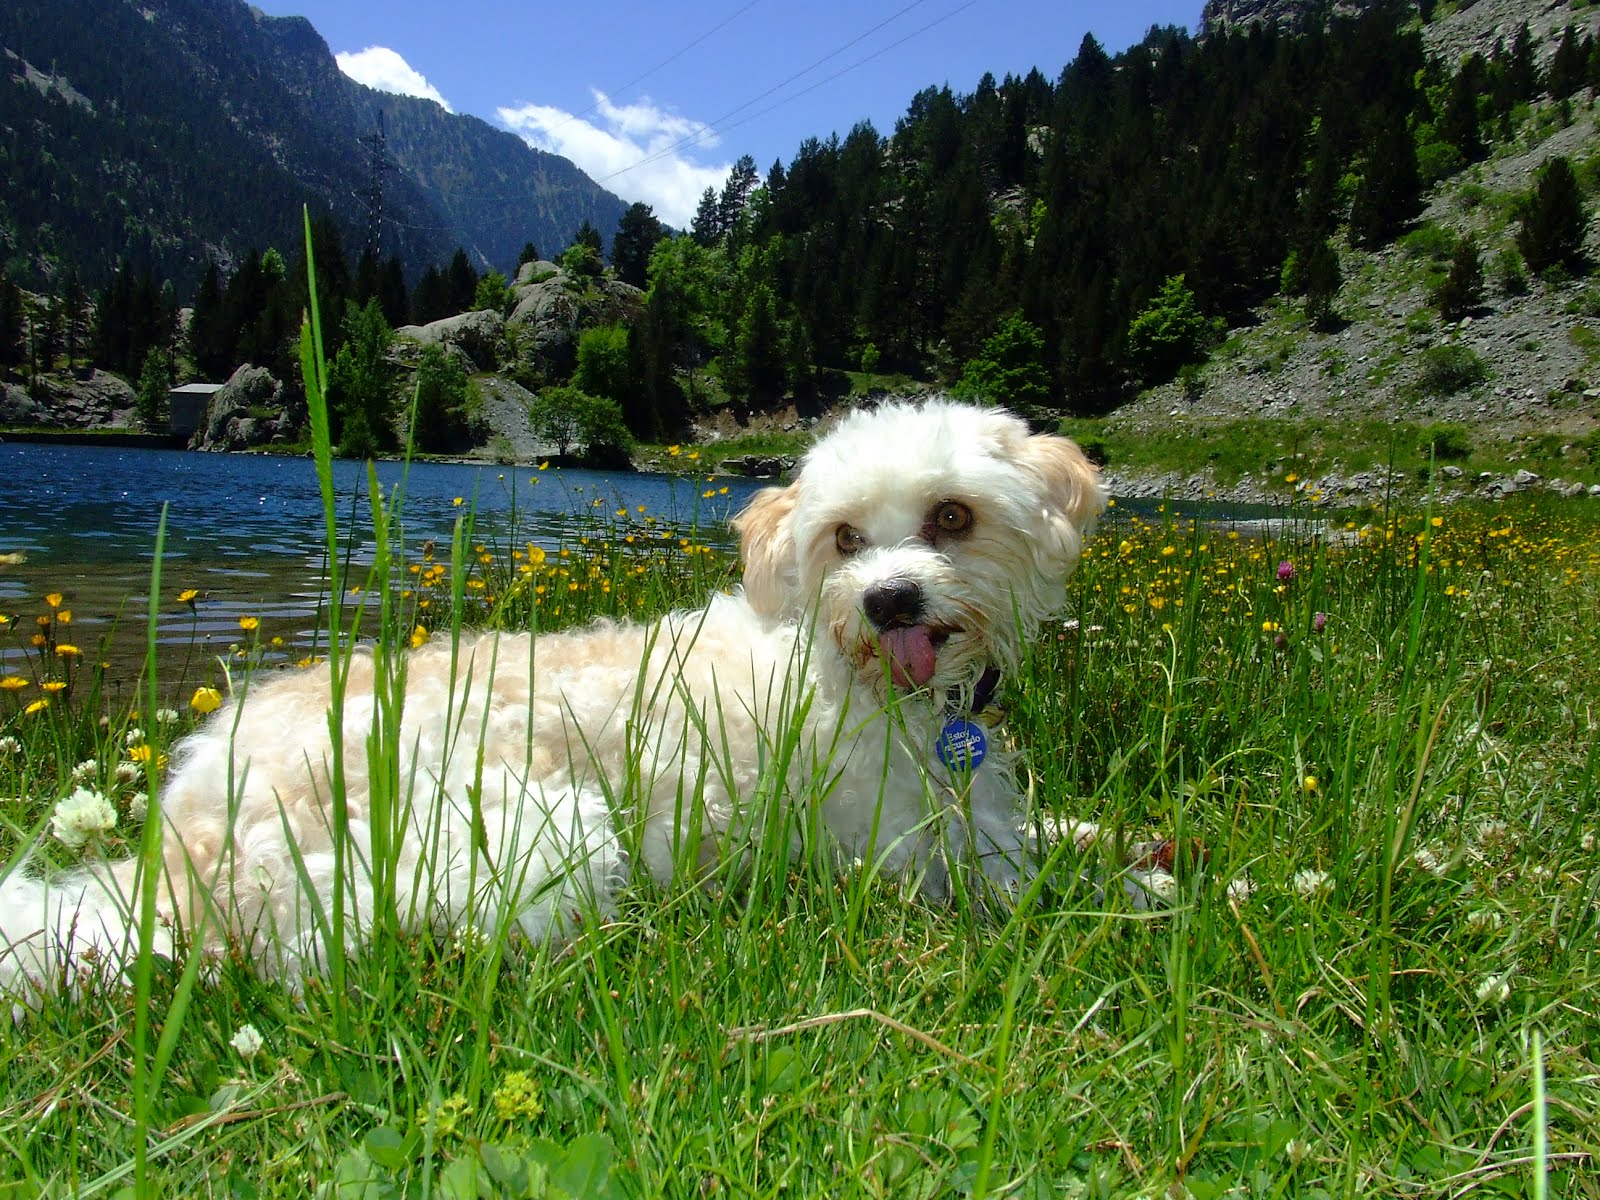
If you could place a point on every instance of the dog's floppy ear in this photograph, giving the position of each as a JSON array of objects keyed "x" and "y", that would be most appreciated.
[
  {"x": 1073, "y": 495},
  {"x": 766, "y": 543}
]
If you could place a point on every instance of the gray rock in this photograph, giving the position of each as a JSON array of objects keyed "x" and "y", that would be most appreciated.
[
  {"x": 249, "y": 411},
  {"x": 551, "y": 305},
  {"x": 97, "y": 401},
  {"x": 476, "y": 334}
]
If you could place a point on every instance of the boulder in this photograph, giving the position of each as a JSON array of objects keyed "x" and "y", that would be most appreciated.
[
  {"x": 550, "y": 306},
  {"x": 97, "y": 400},
  {"x": 249, "y": 411},
  {"x": 475, "y": 334}
]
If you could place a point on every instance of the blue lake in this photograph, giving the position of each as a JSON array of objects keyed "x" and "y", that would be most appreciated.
[{"x": 247, "y": 530}]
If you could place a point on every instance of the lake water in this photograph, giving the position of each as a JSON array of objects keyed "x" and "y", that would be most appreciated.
[{"x": 247, "y": 531}]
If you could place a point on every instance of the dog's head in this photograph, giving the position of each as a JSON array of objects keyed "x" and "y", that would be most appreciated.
[{"x": 927, "y": 539}]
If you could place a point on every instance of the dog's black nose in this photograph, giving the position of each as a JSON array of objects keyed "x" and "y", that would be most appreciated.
[{"x": 892, "y": 602}]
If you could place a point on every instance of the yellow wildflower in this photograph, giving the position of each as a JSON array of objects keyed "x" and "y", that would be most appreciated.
[{"x": 205, "y": 700}]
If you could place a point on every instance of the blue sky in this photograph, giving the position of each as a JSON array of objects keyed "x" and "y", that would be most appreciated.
[{"x": 656, "y": 100}]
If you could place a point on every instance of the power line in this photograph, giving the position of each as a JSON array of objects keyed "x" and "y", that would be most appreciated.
[
  {"x": 724, "y": 122},
  {"x": 718, "y": 126},
  {"x": 694, "y": 139},
  {"x": 668, "y": 61}
]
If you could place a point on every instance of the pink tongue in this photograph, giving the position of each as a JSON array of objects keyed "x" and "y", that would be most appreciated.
[{"x": 910, "y": 653}]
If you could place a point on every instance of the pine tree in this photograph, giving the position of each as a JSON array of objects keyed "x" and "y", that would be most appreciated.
[
  {"x": 361, "y": 384},
  {"x": 1459, "y": 123},
  {"x": 1322, "y": 278},
  {"x": 71, "y": 306},
  {"x": 152, "y": 398},
  {"x": 736, "y": 189},
  {"x": 756, "y": 369},
  {"x": 432, "y": 298},
  {"x": 1568, "y": 65},
  {"x": 13, "y": 351},
  {"x": 1390, "y": 191},
  {"x": 442, "y": 424},
  {"x": 463, "y": 282},
  {"x": 1555, "y": 221},
  {"x": 210, "y": 340},
  {"x": 1462, "y": 289},
  {"x": 706, "y": 228},
  {"x": 1522, "y": 71},
  {"x": 638, "y": 231}
]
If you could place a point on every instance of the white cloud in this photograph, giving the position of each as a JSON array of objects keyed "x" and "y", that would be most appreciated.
[
  {"x": 382, "y": 68},
  {"x": 629, "y": 149}
]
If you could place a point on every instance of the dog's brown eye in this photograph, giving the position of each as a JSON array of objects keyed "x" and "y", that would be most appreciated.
[
  {"x": 849, "y": 539},
  {"x": 951, "y": 517}
]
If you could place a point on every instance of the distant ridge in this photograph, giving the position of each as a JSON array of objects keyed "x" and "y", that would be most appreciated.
[{"x": 182, "y": 132}]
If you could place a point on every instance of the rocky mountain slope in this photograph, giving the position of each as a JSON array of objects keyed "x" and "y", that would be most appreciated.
[
  {"x": 178, "y": 132},
  {"x": 1538, "y": 341}
]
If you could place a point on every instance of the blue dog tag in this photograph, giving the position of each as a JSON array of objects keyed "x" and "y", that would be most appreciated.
[{"x": 961, "y": 745}]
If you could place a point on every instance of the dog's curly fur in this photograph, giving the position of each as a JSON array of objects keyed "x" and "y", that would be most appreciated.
[{"x": 918, "y": 547}]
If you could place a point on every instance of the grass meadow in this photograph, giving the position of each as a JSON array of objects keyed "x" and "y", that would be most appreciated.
[{"x": 1374, "y": 742}]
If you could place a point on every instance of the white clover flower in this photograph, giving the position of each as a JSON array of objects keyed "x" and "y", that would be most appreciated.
[
  {"x": 1484, "y": 920},
  {"x": 1494, "y": 991},
  {"x": 126, "y": 772},
  {"x": 1428, "y": 860},
  {"x": 85, "y": 771},
  {"x": 1297, "y": 1150},
  {"x": 166, "y": 716},
  {"x": 10, "y": 745},
  {"x": 1313, "y": 885},
  {"x": 247, "y": 1041},
  {"x": 138, "y": 806},
  {"x": 1241, "y": 889},
  {"x": 1492, "y": 833},
  {"x": 82, "y": 817},
  {"x": 133, "y": 737}
]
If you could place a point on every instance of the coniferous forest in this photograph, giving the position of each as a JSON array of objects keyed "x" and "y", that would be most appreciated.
[{"x": 1053, "y": 242}]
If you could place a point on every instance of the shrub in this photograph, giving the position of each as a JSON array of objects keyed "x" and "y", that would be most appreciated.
[
  {"x": 155, "y": 381},
  {"x": 491, "y": 294},
  {"x": 1438, "y": 160},
  {"x": 443, "y": 422},
  {"x": 1428, "y": 241},
  {"x": 1010, "y": 368},
  {"x": 1450, "y": 368},
  {"x": 1170, "y": 331},
  {"x": 1447, "y": 443},
  {"x": 1554, "y": 220},
  {"x": 1462, "y": 289},
  {"x": 1509, "y": 275},
  {"x": 570, "y": 418}
]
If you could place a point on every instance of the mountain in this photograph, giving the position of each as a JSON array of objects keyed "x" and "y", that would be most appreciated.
[{"x": 181, "y": 132}]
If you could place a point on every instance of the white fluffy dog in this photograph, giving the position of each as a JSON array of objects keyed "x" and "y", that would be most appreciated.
[{"x": 834, "y": 697}]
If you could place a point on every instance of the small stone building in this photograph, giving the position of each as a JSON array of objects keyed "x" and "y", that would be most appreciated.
[{"x": 187, "y": 406}]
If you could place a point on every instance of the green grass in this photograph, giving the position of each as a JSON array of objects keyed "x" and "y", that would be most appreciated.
[
  {"x": 1381, "y": 982},
  {"x": 1399, "y": 813},
  {"x": 1271, "y": 450}
]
